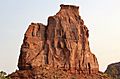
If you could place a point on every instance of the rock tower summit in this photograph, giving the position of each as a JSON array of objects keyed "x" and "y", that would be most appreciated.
[
  {"x": 62, "y": 43},
  {"x": 69, "y": 7}
]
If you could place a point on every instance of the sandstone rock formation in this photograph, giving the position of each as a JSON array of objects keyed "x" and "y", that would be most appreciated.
[
  {"x": 60, "y": 45},
  {"x": 113, "y": 70}
]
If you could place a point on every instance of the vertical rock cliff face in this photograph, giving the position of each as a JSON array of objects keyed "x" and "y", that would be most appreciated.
[{"x": 63, "y": 43}]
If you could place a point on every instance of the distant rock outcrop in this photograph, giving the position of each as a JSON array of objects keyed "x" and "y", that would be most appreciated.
[
  {"x": 113, "y": 70},
  {"x": 60, "y": 48}
]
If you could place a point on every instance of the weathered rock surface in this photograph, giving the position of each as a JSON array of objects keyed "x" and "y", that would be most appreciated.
[
  {"x": 53, "y": 73},
  {"x": 61, "y": 45},
  {"x": 113, "y": 70}
]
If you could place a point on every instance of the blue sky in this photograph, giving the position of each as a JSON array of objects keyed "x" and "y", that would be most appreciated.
[{"x": 101, "y": 17}]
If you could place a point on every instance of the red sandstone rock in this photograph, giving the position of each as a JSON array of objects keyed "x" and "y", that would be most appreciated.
[{"x": 63, "y": 43}]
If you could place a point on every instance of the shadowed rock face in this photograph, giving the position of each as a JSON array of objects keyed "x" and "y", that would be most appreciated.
[
  {"x": 63, "y": 43},
  {"x": 113, "y": 70}
]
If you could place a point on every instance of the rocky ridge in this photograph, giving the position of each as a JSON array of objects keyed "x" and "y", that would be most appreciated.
[
  {"x": 59, "y": 49},
  {"x": 113, "y": 70}
]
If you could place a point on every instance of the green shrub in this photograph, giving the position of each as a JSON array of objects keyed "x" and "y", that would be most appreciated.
[{"x": 3, "y": 75}]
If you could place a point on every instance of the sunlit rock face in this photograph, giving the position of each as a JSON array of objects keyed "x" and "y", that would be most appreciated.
[{"x": 62, "y": 43}]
